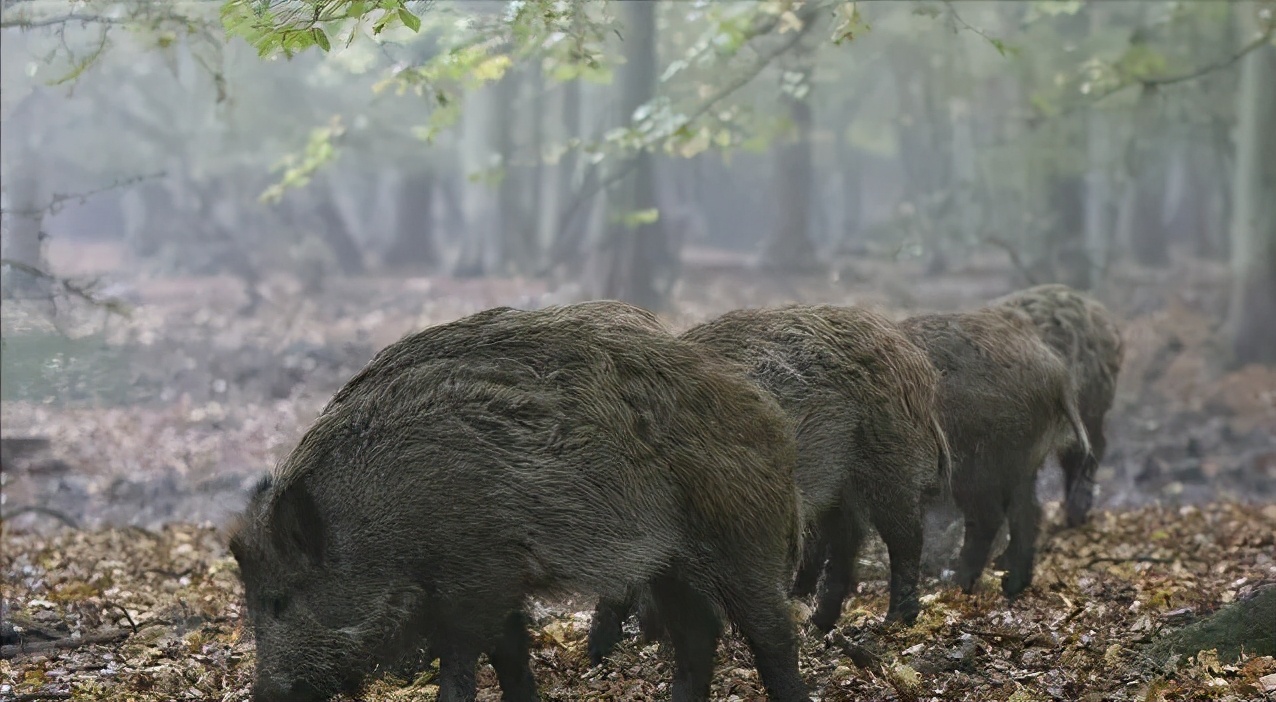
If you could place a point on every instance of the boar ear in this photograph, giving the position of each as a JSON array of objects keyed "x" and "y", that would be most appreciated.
[{"x": 297, "y": 523}]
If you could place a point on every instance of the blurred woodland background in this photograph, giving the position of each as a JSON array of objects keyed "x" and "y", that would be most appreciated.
[{"x": 214, "y": 213}]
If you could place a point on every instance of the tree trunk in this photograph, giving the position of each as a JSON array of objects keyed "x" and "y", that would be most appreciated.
[
  {"x": 1253, "y": 303},
  {"x": 561, "y": 124},
  {"x": 538, "y": 172},
  {"x": 965, "y": 171},
  {"x": 1100, "y": 214},
  {"x": 1147, "y": 171},
  {"x": 24, "y": 181},
  {"x": 514, "y": 231},
  {"x": 926, "y": 150},
  {"x": 1189, "y": 198},
  {"x": 849, "y": 236},
  {"x": 1222, "y": 169},
  {"x": 1100, "y": 209},
  {"x": 636, "y": 253},
  {"x": 332, "y": 228},
  {"x": 24, "y": 243},
  {"x": 414, "y": 246},
  {"x": 1067, "y": 246},
  {"x": 479, "y": 200},
  {"x": 790, "y": 247}
]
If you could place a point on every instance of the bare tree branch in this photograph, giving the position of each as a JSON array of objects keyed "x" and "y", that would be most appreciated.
[
  {"x": 83, "y": 292},
  {"x": 1212, "y": 67},
  {"x": 597, "y": 185},
  {"x": 23, "y": 22},
  {"x": 1158, "y": 81},
  {"x": 60, "y": 199},
  {"x": 1015, "y": 259}
]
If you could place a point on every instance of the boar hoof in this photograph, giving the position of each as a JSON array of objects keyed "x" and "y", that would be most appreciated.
[
  {"x": 906, "y": 614},
  {"x": 1012, "y": 584}
]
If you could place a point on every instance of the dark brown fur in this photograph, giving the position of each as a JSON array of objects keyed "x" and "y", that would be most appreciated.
[
  {"x": 861, "y": 401},
  {"x": 1006, "y": 400},
  {"x": 1085, "y": 334},
  {"x": 510, "y": 453}
]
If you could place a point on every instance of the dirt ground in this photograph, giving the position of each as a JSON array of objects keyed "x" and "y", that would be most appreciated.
[{"x": 129, "y": 443}]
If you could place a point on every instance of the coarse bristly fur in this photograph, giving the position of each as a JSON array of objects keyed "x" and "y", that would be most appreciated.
[
  {"x": 511, "y": 453},
  {"x": 1006, "y": 401},
  {"x": 1086, "y": 335},
  {"x": 860, "y": 399}
]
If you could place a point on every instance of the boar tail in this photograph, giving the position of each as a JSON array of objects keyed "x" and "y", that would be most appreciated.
[
  {"x": 1078, "y": 427},
  {"x": 945, "y": 467}
]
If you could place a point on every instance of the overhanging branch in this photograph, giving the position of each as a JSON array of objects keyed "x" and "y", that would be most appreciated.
[
  {"x": 59, "y": 199},
  {"x": 741, "y": 79},
  {"x": 23, "y": 22},
  {"x": 1158, "y": 81}
]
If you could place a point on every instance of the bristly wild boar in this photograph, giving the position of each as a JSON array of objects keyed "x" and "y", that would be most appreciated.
[
  {"x": 510, "y": 453},
  {"x": 861, "y": 401},
  {"x": 1006, "y": 401},
  {"x": 1085, "y": 334}
]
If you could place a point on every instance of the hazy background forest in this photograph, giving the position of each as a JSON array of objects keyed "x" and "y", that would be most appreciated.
[{"x": 216, "y": 212}]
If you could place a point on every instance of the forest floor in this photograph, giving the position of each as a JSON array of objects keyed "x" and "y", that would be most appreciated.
[{"x": 129, "y": 442}]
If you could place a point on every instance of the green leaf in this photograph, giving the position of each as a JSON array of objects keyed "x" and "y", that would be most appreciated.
[
  {"x": 491, "y": 68},
  {"x": 298, "y": 169},
  {"x": 356, "y": 9},
  {"x": 321, "y": 39},
  {"x": 1142, "y": 61},
  {"x": 1053, "y": 9},
  {"x": 849, "y": 23},
  {"x": 931, "y": 11},
  {"x": 638, "y": 218},
  {"x": 409, "y": 20}
]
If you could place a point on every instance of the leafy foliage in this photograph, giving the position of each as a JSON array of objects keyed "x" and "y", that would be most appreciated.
[
  {"x": 297, "y": 171},
  {"x": 290, "y": 26}
]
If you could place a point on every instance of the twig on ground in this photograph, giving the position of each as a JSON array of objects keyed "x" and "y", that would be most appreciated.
[
  {"x": 1132, "y": 559},
  {"x": 861, "y": 656},
  {"x": 109, "y": 636},
  {"x": 129, "y": 617},
  {"x": 33, "y": 696},
  {"x": 994, "y": 634},
  {"x": 175, "y": 575}
]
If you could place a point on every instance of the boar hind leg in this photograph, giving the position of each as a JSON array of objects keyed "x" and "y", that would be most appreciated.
[
  {"x": 510, "y": 660},
  {"x": 650, "y": 628},
  {"x": 1025, "y": 518},
  {"x": 814, "y": 552},
  {"x": 902, "y": 532},
  {"x": 762, "y": 615},
  {"x": 983, "y": 518},
  {"x": 843, "y": 534},
  {"x": 693, "y": 629},
  {"x": 1078, "y": 473},
  {"x": 605, "y": 629},
  {"x": 456, "y": 674},
  {"x": 897, "y": 516}
]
